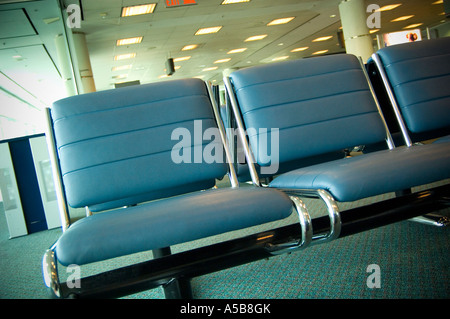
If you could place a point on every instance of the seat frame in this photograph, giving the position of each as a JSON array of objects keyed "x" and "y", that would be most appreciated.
[
  {"x": 392, "y": 99},
  {"x": 176, "y": 268}
]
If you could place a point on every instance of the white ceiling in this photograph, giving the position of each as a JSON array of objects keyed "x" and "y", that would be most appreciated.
[
  {"x": 167, "y": 30},
  {"x": 28, "y": 28}
]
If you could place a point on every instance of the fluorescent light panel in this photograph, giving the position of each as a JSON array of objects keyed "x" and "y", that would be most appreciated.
[
  {"x": 222, "y": 60},
  {"x": 210, "y": 69},
  {"x": 183, "y": 58},
  {"x": 138, "y": 10},
  {"x": 299, "y": 49},
  {"x": 189, "y": 47},
  {"x": 280, "y": 21},
  {"x": 256, "y": 38},
  {"x": 234, "y": 1},
  {"x": 236, "y": 51},
  {"x": 389, "y": 7},
  {"x": 128, "y": 41},
  {"x": 323, "y": 38},
  {"x": 177, "y": 67},
  {"x": 125, "y": 56},
  {"x": 402, "y": 18},
  {"x": 208, "y": 30},
  {"x": 320, "y": 52},
  {"x": 121, "y": 76},
  {"x": 412, "y": 26},
  {"x": 280, "y": 58},
  {"x": 121, "y": 68}
]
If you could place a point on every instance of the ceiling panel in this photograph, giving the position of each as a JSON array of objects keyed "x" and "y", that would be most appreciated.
[
  {"x": 42, "y": 79},
  {"x": 15, "y": 23},
  {"x": 167, "y": 30}
]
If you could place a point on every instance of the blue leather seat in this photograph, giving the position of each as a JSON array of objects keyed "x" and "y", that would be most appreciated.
[
  {"x": 115, "y": 148},
  {"x": 376, "y": 173},
  {"x": 325, "y": 104},
  {"x": 418, "y": 75},
  {"x": 168, "y": 222}
]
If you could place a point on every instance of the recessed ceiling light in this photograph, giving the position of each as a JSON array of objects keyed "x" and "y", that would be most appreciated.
[
  {"x": 208, "y": 30},
  {"x": 256, "y": 38},
  {"x": 438, "y": 2},
  {"x": 177, "y": 67},
  {"x": 124, "y": 56},
  {"x": 389, "y": 7},
  {"x": 128, "y": 41},
  {"x": 323, "y": 38},
  {"x": 211, "y": 68},
  {"x": 320, "y": 52},
  {"x": 121, "y": 68},
  {"x": 299, "y": 49},
  {"x": 280, "y": 21},
  {"x": 234, "y": 1},
  {"x": 402, "y": 18},
  {"x": 138, "y": 10},
  {"x": 183, "y": 58},
  {"x": 189, "y": 47},
  {"x": 222, "y": 60},
  {"x": 412, "y": 26},
  {"x": 280, "y": 58},
  {"x": 236, "y": 51},
  {"x": 121, "y": 76}
]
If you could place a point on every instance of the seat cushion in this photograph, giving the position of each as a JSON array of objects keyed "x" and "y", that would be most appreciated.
[
  {"x": 168, "y": 222},
  {"x": 358, "y": 177}
]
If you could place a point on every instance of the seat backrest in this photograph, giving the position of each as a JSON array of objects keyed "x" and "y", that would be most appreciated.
[
  {"x": 318, "y": 105},
  {"x": 136, "y": 143},
  {"x": 419, "y": 76}
]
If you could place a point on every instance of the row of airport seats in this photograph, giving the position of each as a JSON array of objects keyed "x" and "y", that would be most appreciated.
[{"x": 144, "y": 160}]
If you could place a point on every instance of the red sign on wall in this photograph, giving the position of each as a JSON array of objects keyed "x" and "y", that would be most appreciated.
[{"x": 179, "y": 3}]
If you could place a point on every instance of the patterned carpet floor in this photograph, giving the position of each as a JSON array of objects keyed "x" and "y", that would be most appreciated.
[{"x": 413, "y": 260}]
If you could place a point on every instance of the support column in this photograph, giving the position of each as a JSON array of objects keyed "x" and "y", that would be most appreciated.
[
  {"x": 358, "y": 40},
  {"x": 74, "y": 64},
  {"x": 65, "y": 66},
  {"x": 83, "y": 62}
]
